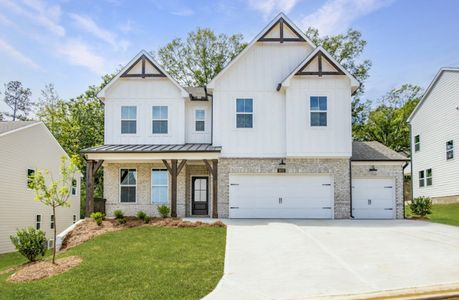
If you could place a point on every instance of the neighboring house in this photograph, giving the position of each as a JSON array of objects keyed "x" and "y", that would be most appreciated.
[
  {"x": 435, "y": 138},
  {"x": 27, "y": 146},
  {"x": 269, "y": 137}
]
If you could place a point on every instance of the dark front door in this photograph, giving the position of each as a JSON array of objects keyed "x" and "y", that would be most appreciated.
[{"x": 200, "y": 196}]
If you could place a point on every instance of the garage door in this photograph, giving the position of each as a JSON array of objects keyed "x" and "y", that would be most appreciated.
[
  {"x": 280, "y": 196},
  {"x": 373, "y": 198}
]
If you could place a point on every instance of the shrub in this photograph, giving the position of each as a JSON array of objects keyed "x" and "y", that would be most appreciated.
[
  {"x": 30, "y": 242},
  {"x": 141, "y": 215},
  {"x": 121, "y": 220},
  {"x": 98, "y": 217},
  {"x": 164, "y": 210},
  {"x": 421, "y": 206},
  {"x": 118, "y": 214},
  {"x": 147, "y": 219}
]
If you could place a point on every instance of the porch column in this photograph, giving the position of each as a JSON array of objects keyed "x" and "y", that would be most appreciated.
[
  {"x": 174, "y": 170},
  {"x": 213, "y": 170},
  {"x": 91, "y": 169}
]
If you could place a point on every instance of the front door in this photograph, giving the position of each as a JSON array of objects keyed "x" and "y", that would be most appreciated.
[{"x": 200, "y": 196}]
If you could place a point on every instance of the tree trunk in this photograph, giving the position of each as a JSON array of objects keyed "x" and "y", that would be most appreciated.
[{"x": 54, "y": 242}]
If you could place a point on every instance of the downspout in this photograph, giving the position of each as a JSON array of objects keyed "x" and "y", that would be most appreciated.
[
  {"x": 211, "y": 115},
  {"x": 412, "y": 174},
  {"x": 350, "y": 185}
]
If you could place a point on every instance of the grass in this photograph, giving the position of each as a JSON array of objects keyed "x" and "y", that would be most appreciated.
[
  {"x": 11, "y": 259},
  {"x": 137, "y": 263},
  {"x": 441, "y": 213}
]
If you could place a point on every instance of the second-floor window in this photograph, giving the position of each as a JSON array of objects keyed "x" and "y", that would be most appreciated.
[
  {"x": 30, "y": 175},
  {"x": 199, "y": 120},
  {"x": 417, "y": 143},
  {"x": 74, "y": 187},
  {"x": 51, "y": 223},
  {"x": 244, "y": 113},
  {"x": 128, "y": 119},
  {"x": 318, "y": 108},
  {"x": 449, "y": 149},
  {"x": 38, "y": 222},
  {"x": 160, "y": 120}
]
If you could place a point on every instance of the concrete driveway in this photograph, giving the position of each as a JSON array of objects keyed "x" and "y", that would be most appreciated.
[{"x": 299, "y": 259}]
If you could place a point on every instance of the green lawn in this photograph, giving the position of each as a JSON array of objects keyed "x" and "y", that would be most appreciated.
[
  {"x": 11, "y": 259},
  {"x": 442, "y": 213},
  {"x": 138, "y": 263}
]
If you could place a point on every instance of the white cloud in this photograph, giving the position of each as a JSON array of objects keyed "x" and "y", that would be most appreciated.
[
  {"x": 80, "y": 54},
  {"x": 89, "y": 25},
  {"x": 126, "y": 27},
  {"x": 185, "y": 12},
  {"x": 337, "y": 15},
  {"x": 12, "y": 52},
  {"x": 267, "y": 7},
  {"x": 39, "y": 12}
]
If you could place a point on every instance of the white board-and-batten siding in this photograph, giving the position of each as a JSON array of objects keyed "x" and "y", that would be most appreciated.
[{"x": 436, "y": 122}]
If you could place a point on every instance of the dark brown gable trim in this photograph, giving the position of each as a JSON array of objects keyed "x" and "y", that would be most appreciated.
[
  {"x": 319, "y": 72},
  {"x": 143, "y": 58},
  {"x": 281, "y": 38}
]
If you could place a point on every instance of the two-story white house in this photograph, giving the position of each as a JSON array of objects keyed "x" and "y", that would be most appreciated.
[
  {"x": 269, "y": 137},
  {"x": 434, "y": 136}
]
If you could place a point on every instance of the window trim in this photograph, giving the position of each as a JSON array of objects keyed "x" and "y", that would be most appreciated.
[
  {"x": 121, "y": 120},
  {"x": 38, "y": 222},
  {"x": 422, "y": 179},
  {"x": 153, "y": 119},
  {"x": 450, "y": 150},
  {"x": 203, "y": 120},
  {"x": 417, "y": 145},
  {"x": 429, "y": 177},
  {"x": 29, "y": 179},
  {"x": 245, "y": 113},
  {"x": 318, "y": 111},
  {"x": 159, "y": 185},
  {"x": 120, "y": 185},
  {"x": 51, "y": 222}
]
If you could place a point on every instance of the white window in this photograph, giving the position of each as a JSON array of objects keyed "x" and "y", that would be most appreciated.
[
  {"x": 244, "y": 113},
  {"x": 128, "y": 119},
  {"x": 417, "y": 143},
  {"x": 429, "y": 177},
  {"x": 318, "y": 110},
  {"x": 421, "y": 179},
  {"x": 160, "y": 120},
  {"x": 199, "y": 120},
  {"x": 38, "y": 222},
  {"x": 128, "y": 185},
  {"x": 51, "y": 224},
  {"x": 30, "y": 175},
  {"x": 449, "y": 150},
  {"x": 159, "y": 186},
  {"x": 74, "y": 187},
  {"x": 74, "y": 219}
]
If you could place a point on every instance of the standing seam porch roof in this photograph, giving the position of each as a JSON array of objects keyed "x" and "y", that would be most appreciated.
[{"x": 149, "y": 148}]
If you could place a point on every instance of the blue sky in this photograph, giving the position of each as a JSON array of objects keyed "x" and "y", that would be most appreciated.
[{"x": 73, "y": 43}]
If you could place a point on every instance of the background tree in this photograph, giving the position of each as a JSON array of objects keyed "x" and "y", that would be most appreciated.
[
  {"x": 46, "y": 105},
  {"x": 196, "y": 60},
  {"x": 55, "y": 193},
  {"x": 18, "y": 99}
]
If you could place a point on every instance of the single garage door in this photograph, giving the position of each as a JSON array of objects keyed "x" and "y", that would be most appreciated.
[
  {"x": 373, "y": 198},
  {"x": 280, "y": 196}
]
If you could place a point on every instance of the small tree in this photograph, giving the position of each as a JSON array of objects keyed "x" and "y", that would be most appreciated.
[{"x": 55, "y": 193}]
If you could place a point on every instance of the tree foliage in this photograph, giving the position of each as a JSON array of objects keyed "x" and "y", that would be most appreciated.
[
  {"x": 18, "y": 100},
  {"x": 202, "y": 55},
  {"x": 47, "y": 103}
]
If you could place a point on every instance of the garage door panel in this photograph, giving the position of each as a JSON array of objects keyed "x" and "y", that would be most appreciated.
[{"x": 373, "y": 198}]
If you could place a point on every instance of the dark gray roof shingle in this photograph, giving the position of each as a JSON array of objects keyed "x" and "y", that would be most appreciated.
[
  {"x": 152, "y": 148},
  {"x": 374, "y": 151},
  {"x": 6, "y": 126},
  {"x": 197, "y": 92}
]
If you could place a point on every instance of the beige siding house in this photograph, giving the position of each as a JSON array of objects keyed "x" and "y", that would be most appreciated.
[{"x": 26, "y": 146}]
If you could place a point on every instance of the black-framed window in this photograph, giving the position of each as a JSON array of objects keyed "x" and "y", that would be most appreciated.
[
  {"x": 421, "y": 178},
  {"x": 449, "y": 150},
  {"x": 128, "y": 185},
  {"x": 199, "y": 120},
  {"x": 38, "y": 222},
  {"x": 159, "y": 186},
  {"x": 30, "y": 175},
  {"x": 160, "y": 116},
  {"x": 318, "y": 109},
  {"x": 74, "y": 219},
  {"x": 429, "y": 177},
  {"x": 244, "y": 113},
  {"x": 51, "y": 222},
  {"x": 417, "y": 143},
  {"x": 128, "y": 119},
  {"x": 74, "y": 187}
]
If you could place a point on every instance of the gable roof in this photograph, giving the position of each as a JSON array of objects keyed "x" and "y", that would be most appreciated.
[
  {"x": 12, "y": 126},
  {"x": 285, "y": 20},
  {"x": 133, "y": 62},
  {"x": 374, "y": 151},
  {"x": 429, "y": 90},
  {"x": 320, "y": 52}
]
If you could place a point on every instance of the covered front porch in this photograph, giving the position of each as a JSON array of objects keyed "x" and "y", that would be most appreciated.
[{"x": 143, "y": 177}]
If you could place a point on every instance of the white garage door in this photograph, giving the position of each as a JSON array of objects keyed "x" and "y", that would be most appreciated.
[
  {"x": 373, "y": 198},
  {"x": 280, "y": 196}
]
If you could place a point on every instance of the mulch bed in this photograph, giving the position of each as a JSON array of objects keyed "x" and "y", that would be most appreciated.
[{"x": 44, "y": 269}]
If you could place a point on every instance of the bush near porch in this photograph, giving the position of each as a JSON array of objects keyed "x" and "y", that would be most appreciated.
[
  {"x": 143, "y": 262},
  {"x": 441, "y": 213}
]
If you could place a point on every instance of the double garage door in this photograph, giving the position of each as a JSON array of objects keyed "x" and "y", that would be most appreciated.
[
  {"x": 306, "y": 197},
  {"x": 281, "y": 196}
]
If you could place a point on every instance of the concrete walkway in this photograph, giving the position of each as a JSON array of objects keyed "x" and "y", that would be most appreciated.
[{"x": 300, "y": 259}]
